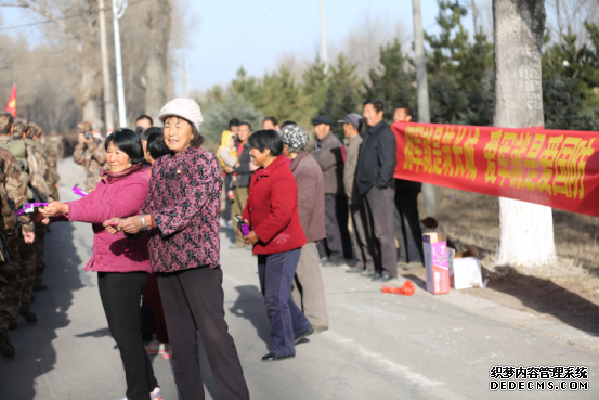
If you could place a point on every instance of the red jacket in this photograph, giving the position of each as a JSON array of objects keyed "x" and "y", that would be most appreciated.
[{"x": 271, "y": 209}]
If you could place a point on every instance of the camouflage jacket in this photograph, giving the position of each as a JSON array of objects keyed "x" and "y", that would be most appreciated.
[
  {"x": 36, "y": 179},
  {"x": 92, "y": 157},
  {"x": 13, "y": 194},
  {"x": 39, "y": 152}
]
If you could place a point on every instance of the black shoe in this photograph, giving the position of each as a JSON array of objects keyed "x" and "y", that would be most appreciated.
[
  {"x": 319, "y": 329},
  {"x": 355, "y": 270},
  {"x": 38, "y": 287},
  {"x": 304, "y": 335},
  {"x": 276, "y": 357},
  {"x": 383, "y": 278},
  {"x": 12, "y": 327},
  {"x": 6, "y": 348},
  {"x": 26, "y": 312},
  {"x": 368, "y": 273}
]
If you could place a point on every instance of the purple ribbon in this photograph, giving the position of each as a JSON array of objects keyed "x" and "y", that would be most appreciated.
[
  {"x": 79, "y": 191},
  {"x": 28, "y": 208}
]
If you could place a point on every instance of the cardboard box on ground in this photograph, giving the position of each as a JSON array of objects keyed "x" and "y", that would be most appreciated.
[
  {"x": 435, "y": 262},
  {"x": 447, "y": 268}
]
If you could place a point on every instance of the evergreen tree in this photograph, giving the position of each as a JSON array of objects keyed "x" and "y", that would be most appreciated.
[
  {"x": 218, "y": 114},
  {"x": 342, "y": 95},
  {"x": 316, "y": 84},
  {"x": 570, "y": 81},
  {"x": 393, "y": 81}
]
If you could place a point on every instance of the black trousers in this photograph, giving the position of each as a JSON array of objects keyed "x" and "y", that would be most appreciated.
[
  {"x": 361, "y": 237},
  {"x": 228, "y": 202},
  {"x": 120, "y": 293},
  {"x": 193, "y": 301},
  {"x": 407, "y": 225},
  {"x": 337, "y": 245},
  {"x": 379, "y": 208}
]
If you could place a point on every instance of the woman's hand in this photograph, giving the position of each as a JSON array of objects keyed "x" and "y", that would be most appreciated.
[
  {"x": 29, "y": 237},
  {"x": 36, "y": 216},
  {"x": 52, "y": 209},
  {"x": 239, "y": 233},
  {"x": 131, "y": 225},
  {"x": 251, "y": 238},
  {"x": 110, "y": 227}
]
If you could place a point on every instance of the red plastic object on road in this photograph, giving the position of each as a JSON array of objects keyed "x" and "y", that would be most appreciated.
[{"x": 407, "y": 289}]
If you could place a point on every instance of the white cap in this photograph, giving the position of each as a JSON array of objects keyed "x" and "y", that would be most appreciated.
[{"x": 184, "y": 108}]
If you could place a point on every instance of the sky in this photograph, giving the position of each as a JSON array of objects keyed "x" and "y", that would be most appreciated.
[{"x": 230, "y": 33}]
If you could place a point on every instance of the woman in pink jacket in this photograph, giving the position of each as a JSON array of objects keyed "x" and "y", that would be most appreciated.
[{"x": 122, "y": 265}]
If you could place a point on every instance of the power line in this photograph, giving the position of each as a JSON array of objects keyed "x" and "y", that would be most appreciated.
[{"x": 62, "y": 18}]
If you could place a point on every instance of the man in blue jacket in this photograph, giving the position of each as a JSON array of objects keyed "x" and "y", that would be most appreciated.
[{"x": 374, "y": 177}]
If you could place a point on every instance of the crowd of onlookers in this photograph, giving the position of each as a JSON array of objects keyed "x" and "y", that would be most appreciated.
[
  {"x": 354, "y": 190},
  {"x": 153, "y": 197}
]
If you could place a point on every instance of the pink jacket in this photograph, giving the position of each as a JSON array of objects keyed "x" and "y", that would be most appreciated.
[{"x": 118, "y": 195}]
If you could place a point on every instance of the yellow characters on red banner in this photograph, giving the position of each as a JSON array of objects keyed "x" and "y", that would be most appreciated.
[{"x": 536, "y": 160}]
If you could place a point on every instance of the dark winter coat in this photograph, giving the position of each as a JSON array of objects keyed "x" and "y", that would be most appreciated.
[{"x": 377, "y": 159}]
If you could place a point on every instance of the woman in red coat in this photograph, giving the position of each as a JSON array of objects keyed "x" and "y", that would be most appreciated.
[{"x": 277, "y": 238}]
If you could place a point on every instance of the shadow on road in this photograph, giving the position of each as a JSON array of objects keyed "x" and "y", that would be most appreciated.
[
  {"x": 550, "y": 298},
  {"x": 95, "y": 334},
  {"x": 250, "y": 305},
  {"x": 35, "y": 354}
]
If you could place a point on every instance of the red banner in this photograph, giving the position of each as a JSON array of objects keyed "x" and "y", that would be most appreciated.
[{"x": 558, "y": 169}]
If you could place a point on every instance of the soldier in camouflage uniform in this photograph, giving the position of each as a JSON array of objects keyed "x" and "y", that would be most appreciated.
[
  {"x": 90, "y": 154},
  {"x": 13, "y": 194},
  {"x": 37, "y": 191},
  {"x": 29, "y": 136},
  {"x": 50, "y": 155}
]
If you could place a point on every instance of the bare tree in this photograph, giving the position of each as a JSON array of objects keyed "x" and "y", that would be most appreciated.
[{"x": 526, "y": 230}]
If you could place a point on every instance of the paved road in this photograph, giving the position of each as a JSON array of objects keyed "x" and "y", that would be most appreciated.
[{"x": 380, "y": 346}]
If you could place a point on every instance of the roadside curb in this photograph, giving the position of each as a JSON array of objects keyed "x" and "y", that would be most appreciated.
[{"x": 530, "y": 321}]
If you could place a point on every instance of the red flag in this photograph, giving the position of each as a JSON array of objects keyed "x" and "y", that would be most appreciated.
[{"x": 11, "y": 107}]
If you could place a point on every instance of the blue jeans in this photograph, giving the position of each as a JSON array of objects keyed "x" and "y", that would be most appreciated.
[{"x": 277, "y": 272}]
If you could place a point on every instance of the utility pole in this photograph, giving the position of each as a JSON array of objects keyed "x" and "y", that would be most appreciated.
[
  {"x": 118, "y": 9},
  {"x": 474, "y": 16},
  {"x": 323, "y": 39},
  {"x": 108, "y": 120},
  {"x": 422, "y": 91},
  {"x": 184, "y": 80}
]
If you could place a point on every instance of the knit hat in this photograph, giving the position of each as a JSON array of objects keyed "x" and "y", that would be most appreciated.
[
  {"x": 295, "y": 136},
  {"x": 185, "y": 108}
]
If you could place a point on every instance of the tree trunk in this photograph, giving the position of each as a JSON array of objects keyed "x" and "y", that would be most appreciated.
[
  {"x": 87, "y": 96},
  {"x": 526, "y": 230},
  {"x": 158, "y": 24}
]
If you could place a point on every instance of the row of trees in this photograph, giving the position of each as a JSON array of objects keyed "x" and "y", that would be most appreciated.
[
  {"x": 59, "y": 81},
  {"x": 461, "y": 83}
]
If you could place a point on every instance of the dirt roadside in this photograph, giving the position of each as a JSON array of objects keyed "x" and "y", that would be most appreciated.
[{"x": 567, "y": 292}]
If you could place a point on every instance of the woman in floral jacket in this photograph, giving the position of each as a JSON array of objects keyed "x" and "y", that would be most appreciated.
[{"x": 182, "y": 208}]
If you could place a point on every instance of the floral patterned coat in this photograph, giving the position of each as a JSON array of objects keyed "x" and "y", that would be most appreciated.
[{"x": 184, "y": 199}]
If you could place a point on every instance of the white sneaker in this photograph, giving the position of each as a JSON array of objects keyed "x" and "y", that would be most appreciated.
[
  {"x": 155, "y": 347},
  {"x": 155, "y": 394}
]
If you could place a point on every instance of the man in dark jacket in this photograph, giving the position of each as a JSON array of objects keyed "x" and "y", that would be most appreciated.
[
  {"x": 307, "y": 290},
  {"x": 328, "y": 154},
  {"x": 374, "y": 178},
  {"x": 244, "y": 173},
  {"x": 407, "y": 221},
  {"x": 352, "y": 126}
]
